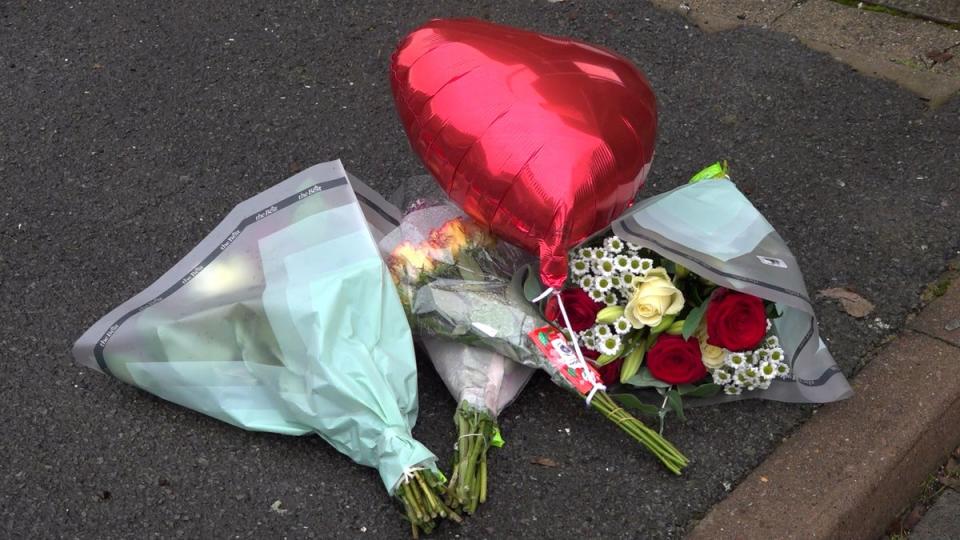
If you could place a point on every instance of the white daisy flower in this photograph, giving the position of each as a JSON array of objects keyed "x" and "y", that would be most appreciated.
[
  {"x": 596, "y": 295},
  {"x": 645, "y": 265},
  {"x": 722, "y": 376},
  {"x": 772, "y": 341},
  {"x": 783, "y": 370},
  {"x": 579, "y": 267},
  {"x": 631, "y": 246},
  {"x": 736, "y": 360},
  {"x": 585, "y": 253},
  {"x": 603, "y": 284},
  {"x": 732, "y": 390},
  {"x": 604, "y": 266},
  {"x": 611, "y": 345},
  {"x": 761, "y": 355},
  {"x": 611, "y": 299},
  {"x": 601, "y": 331},
  {"x": 613, "y": 244},
  {"x": 776, "y": 355},
  {"x": 588, "y": 340},
  {"x": 586, "y": 282},
  {"x": 752, "y": 372},
  {"x": 742, "y": 379},
  {"x": 622, "y": 325},
  {"x": 768, "y": 370},
  {"x": 764, "y": 385},
  {"x": 622, "y": 263},
  {"x": 616, "y": 281}
]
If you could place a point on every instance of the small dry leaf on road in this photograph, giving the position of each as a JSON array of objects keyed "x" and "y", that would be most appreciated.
[
  {"x": 854, "y": 304},
  {"x": 544, "y": 462},
  {"x": 276, "y": 508}
]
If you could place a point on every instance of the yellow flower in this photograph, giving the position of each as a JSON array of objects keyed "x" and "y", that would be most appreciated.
[
  {"x": 412, "y": 259},
  {"x": 653, "y": 298},
  {"x": 451, "y": 235}
]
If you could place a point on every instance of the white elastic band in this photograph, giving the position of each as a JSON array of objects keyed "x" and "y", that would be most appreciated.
[
  {"x": 587, "y": 372},
  {"x": 470, "y": 435},
  {"x": 408, "y": 473},
  {"x": 543, "y": 295}
]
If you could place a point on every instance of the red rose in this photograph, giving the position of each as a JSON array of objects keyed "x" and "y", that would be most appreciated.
[
  {"x": 610, "y": 373},
  {"x": 675, "y": 360},
  {"x": 581, "y": 309},
  {"x": 735, "y": 321}
]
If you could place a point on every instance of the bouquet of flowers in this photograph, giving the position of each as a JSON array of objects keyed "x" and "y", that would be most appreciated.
[
  {"x": 457, "y": 281},
  {"x": 284, "y": 319},
  {"x": 650, "y": 322}
]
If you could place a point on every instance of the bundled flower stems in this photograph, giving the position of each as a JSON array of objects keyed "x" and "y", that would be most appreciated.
[{"x": 483, "y": 383}]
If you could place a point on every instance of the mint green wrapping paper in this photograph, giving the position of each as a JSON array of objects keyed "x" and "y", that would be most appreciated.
[{"x": 284, "y": 319}]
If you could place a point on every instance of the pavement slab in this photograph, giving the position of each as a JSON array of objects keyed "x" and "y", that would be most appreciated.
[
  {"x": 944, "y": 11},
  {"x": 130, "y": 128}
]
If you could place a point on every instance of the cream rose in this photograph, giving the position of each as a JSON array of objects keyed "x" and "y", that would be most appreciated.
[
  {"x": 712, "y": 355},
  {"x": 654, "y": 297}
]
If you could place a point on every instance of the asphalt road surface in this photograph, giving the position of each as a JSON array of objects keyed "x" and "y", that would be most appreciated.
[{"x": 128, "y": 129}]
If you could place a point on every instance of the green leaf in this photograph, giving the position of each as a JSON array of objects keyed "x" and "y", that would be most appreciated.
[
  {"x": 694, "y": 318},
  {"x": 772, "y": 311},
  {"x": 704, "y": 390},
  {"x": 675, "y": 402},
  {"x": 631, "y": 401},
  {"x": 643, "y": 379}
]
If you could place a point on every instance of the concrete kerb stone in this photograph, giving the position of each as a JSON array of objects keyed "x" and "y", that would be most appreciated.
[{"x": 856, "y": 464}]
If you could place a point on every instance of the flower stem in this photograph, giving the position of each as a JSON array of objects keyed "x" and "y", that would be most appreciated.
[
  {"x": 467, "y": 488},
  {"x": 668, "y": 454}
]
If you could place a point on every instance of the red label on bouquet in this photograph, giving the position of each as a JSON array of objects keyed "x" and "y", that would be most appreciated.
[{"x": 563, "y": 359}]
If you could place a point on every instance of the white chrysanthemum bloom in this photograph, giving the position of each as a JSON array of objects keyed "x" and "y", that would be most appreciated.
[
  {"x": 772, "y": 342},
  {"x": 601, "y": 331},
  {"x": 579, "y": 267},
  {"x": 585, "y": 253},
  {"x": 742, "y": 379},
  {"x": 783, "y": 369},
  {"x": 732, "y": 390},
  {"x": 604, "y": 266},
  {"x": 631, "y": 246},
  {"x": 603, "y": 284},
  {"x": 776, "y": 355},
  {"x": 635, "y": 264},
  {"x": 622, "y": 325},
  {"x": 586, "y": 282},
  {"x": 627, "y": 279},
  {"x": 613, "y": 244},
  {"x": 617, "y": 281},
  {"x": 764, "y": 384},
  {"x": 596, "y": 295},
  {"x": 768, "y": 370},
  {"x": 736, "y": 360},
  {"x": 589, "y": 340},
  {"x": 622, "y": 263},
  {"x": 646, "y": 265},
  {"x": 752, "y": 373},
  {"x": 722, "y": 376},
  {"x": 761, "y": 355},
  {"x": 611, "y": 299},
  {"x": 611, "y": 345}
]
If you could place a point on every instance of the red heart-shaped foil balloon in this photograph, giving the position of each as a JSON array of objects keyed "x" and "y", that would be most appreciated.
[{"x": 542, "y": 139}]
